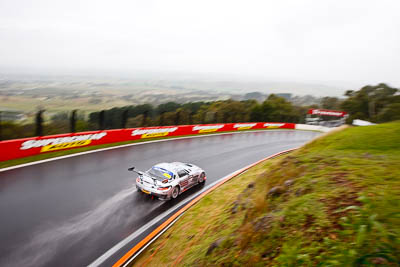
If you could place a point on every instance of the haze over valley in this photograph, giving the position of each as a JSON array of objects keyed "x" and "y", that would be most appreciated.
[{"x": 28, "y": 93}]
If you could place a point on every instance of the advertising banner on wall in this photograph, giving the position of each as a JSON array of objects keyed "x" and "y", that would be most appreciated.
[
  {"x": 326, "y": 112},
  {"x": 19, "y": 148}
]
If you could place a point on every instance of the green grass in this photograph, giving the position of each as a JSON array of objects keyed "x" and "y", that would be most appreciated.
[
  {"x": 14, "y": 162},
  {"x": 341, "y": 209}
]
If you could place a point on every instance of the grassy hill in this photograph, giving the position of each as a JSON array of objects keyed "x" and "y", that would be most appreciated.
[{"x": 334, "y": 202}]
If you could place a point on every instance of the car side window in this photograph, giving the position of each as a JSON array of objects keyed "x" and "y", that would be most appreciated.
[{"x": 182, "y": 173}]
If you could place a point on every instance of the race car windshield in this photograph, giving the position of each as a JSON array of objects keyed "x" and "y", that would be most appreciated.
[{"x": 160, "y": 173}]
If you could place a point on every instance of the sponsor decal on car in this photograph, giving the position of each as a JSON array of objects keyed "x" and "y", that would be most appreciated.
[
  {"x": 184, "y": 183},
  {"x": 244, "y": 126},
  {"x": 207, "y": 128},
  {"x": 147, "y": 133},
  {"x": 58, "y": 143},
  {"x": 273, "y": 125},
  {"x": 145, "y": 191}
]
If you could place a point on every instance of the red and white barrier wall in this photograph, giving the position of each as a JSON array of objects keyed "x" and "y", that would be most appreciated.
[
  {"x": 19, "y": 148},
  {"x": 312, "y": 128}
]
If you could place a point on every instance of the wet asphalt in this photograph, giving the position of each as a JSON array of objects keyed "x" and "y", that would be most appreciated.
[{"x": 68, "y": 212}]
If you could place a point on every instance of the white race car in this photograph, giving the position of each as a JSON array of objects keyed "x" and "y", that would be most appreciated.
[{"x": 168, "y": 180}]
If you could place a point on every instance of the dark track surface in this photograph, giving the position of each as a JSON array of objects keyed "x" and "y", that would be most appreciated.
[{"x": 68, "y": 212}]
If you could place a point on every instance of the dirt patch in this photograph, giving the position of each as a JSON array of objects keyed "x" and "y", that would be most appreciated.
[
  {"x": 242, "y": 201},
  {"x": 309, "y": 221},
  {"x": 263, "y": 224},
  {"x": 337, "y": 203},
  {"x": 276, "y": 191},
  {"x": 340, "y": 179},
  {"x": 214, "y": 245}
]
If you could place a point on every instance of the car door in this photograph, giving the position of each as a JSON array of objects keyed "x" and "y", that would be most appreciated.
[
  {"x": 193, "y": 178},
  {"x": 183, "y": 179}
]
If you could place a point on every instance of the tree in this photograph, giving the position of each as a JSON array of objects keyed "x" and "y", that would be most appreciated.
[
  {"x": 161, "y": 119},
  {"x": 60, "y": 116},
  {"x": 390, "y": 112},
  {"x": 167, "y": 107},
  {"x": 178, "y": 117},
  {"x": 275, "y": 109},
  {"x": 118, "y": 117},
  {"x": 330, "y": 103},
  {"x": 39, "y": 123},
  {"x": 124, "y": 118},
  {"x": 370, "y": 101},
  {"x": 73, "y": 121},
  {"x": 144, "y": 120},
  {"x": 141, "y": 110},
  {"x": 102, "y": 120}
]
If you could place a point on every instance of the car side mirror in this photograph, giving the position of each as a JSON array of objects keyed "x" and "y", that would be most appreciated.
[{"x": 131, "y": 168}]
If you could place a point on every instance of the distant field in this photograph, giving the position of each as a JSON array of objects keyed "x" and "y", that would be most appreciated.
[
  {"x": 57, "y": 104},
  {"x": 58, "y": 98}
]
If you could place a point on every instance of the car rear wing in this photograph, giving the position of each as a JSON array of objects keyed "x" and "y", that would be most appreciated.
[{"x": 132, "y": 169}]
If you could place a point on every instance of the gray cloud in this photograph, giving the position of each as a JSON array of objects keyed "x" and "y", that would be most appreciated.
[{"x": 299, "y": 40}]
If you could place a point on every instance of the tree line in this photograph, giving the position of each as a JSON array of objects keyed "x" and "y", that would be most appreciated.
[{"x": 380, "y": 103}]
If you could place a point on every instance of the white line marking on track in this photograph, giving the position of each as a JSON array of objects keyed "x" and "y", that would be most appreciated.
[{"x": 154, "y": 239}]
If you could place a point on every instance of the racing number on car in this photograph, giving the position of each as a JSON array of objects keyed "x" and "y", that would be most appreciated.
[{"x": 184, "y": 183}]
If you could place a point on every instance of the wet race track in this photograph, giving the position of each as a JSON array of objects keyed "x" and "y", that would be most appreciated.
[{"x": 69, "y": 212}]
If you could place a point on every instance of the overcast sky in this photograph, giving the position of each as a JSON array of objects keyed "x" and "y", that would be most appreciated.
[{"x": 301, "y": 40}]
